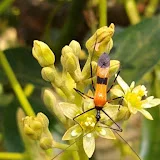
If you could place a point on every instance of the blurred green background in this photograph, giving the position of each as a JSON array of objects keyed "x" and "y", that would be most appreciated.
[{"x": 57, "y": 22}]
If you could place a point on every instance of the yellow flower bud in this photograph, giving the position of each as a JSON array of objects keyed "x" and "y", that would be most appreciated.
[
  {"x": 123, "y": 114},
  {"x": 68, "y": 61},
  {"x": 49, "y": 99},
  {"x": 66, "y": 49},
  {"x": 46, "y": 143},
  {"x": 86, "y": 72},
  {"x": 43, "y": 53},
  {"x": 28, "y": 131},
  {"x": 43, "y": 119},
  {"x": 101, "y": 41},
  {"x": 36, "y": 125},
  {"x": 51, "y": 103},
  {"x": 32, "y": 127},
  {"x": 114, "y": 67},
  {"x": 48, "y": 74},
  {"x": 75, "y": 47}
]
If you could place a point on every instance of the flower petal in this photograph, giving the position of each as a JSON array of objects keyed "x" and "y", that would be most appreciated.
[
  {"x": 123, "y": 84},
  {"x": 117, "y": 91},
  {"x": 88, "y": 103},
  {"x": 132, "y": 85},
  {"x": 131, "y": 108},
  {"x": 111, "y": 110},
  {"x": 69, "y": 110},
  {"x": 105, "y": 132},
  {"x": 152, "y": 103},
  {"x": 89, "y": 144},
  {"x": 146, "y": 114},
  {"x": 72, "y": 133},
  {"x": 140, "y": 90}
]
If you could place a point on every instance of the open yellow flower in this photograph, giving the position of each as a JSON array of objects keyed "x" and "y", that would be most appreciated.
[
  {"x": 133, "y": 97},
  {"x": 87, "y": 125}
]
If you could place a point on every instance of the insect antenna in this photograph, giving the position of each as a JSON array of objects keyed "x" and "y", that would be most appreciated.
[
  {"x": 91, "y": 64},
  {"x": 71, "y": 145},
  {"x": 116, "y": 131},
  {"x": 128, "y": 145}
]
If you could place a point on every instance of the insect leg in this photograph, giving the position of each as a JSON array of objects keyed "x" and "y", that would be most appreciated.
[
  {"x": 82, "y": 114},
  {"x": 82, "y": 94},
  {"x": 113, "y": 82},
  {"x": 119, "y": 128}
]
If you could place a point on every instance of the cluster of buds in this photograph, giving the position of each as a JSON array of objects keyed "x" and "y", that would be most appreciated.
[
  {"x": 37, "y": 129},
  {"x": 66, "y": 104}
]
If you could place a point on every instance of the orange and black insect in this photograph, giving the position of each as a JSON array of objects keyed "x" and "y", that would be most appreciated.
[{"x": 100, "y": 96}]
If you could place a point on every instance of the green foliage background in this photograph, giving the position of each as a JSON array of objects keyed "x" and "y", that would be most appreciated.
[{"x": 137, "y": 47}]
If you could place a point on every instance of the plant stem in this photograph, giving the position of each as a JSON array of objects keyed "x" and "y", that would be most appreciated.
[
  {"x": 132, "y": 11},
  {"x": 150, "y": 129},
  {"x": 81, "y": 152},
  {"x": 11, "y": 156},
  {"x": 15, "y": 85},
  {"x": 102, "y": 13},
  {"x": 5, "y": 4},
  {"x": 151, "y": 8},
  {"x": 71, "y": 25}
]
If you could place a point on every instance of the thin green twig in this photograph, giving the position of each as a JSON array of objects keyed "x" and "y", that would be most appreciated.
[
  {"x": 15, "y": 85},
  {"x": 132, "y": 11},
  {"x": 102, "y": 13},
  {"x": 11, "y": 156},
  {"x": 151, "y": 8}
]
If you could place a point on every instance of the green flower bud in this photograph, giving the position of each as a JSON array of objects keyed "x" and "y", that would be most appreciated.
[
  {"x": 101, "y": 41},
  {"x": 28, "y": 131},
  {"x": 68, "y": 61},
  {"x": 123, "y": 114},
  {"x": 32, "y": 127},
  {"x": 66, "y": 49},
  {"x": 51, "y": 104},
  {"x": 75, "y": 47},
  {"x": 114, "y": 67},
  {"x": 48, "y": 74},
  {"x": 43, "y": 119},
  {"x": 31, "y": 133},
  {"x": 36, "y": 125},
  {"x": 86, "y": 72},
  {"x": 43, "y": 53},
  {"x": 46, "y": 143}
]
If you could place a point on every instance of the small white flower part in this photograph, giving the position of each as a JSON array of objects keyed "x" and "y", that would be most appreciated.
[
  {"x": 102, "y": 132},
  {"x": 132, "y": 85},
  {"x": 86, "y": 123},
  {"x": 74, "y": 133},
  {"x": 89, "y": 135},
  {"x": 92, "y": 124}
]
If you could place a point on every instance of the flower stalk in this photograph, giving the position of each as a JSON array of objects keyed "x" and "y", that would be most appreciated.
[
  {"x": 102, "y": 13},
  {"x": 11, "y": 156},
  {"x": 15, "y": 85},
  {"x": 132, "y": 11}
]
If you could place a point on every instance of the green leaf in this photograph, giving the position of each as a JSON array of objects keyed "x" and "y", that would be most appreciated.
[
  {"x": 12, "y": 138},
  {"x": 150, "y": 136},
  {"x": 5, "y": 99},
  {"x": 5, "y": 4},
  {"x": 25, "y": 67},
  {"x": 137, "y": 48}
]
